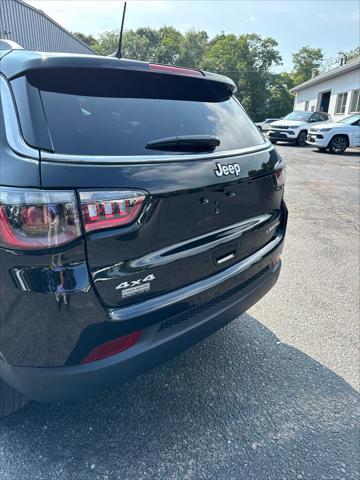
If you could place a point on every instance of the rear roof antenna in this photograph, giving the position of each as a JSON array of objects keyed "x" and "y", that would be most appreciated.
[{"x": 118, "y": 54}]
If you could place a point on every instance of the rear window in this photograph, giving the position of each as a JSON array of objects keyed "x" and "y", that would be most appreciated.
[{"x": 123, "y": 112}]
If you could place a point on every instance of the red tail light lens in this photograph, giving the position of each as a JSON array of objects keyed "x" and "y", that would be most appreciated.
[
  {"x": 33, "y": 219},
  {"x": 280, "y": 177},
  {"x": 112, "y": 348},
  {"x": 110, "y": 209},
  {"x": 177, "y": 70}
]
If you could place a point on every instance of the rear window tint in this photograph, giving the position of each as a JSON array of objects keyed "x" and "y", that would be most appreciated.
[
  {"x": 116, "y": 111},
  {"x": 98, "y": 125}
]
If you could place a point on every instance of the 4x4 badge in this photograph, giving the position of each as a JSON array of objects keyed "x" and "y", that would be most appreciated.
[{"x": 229, "y": 169}]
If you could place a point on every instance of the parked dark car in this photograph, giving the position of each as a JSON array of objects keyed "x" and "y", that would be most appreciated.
[{"x": 141, "y": 210}]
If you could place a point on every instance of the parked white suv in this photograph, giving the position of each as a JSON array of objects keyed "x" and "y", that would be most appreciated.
[
  {"x": 295, "y": 126},
  {"x": 265, "y": 125},
  {"x": 338, "y": 136}
]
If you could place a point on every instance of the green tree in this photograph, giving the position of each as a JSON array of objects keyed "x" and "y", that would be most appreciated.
[
  {"x": 89, "y": 40},
  {"x": 146, "y": 44},
  {"x": 193, "y": 47},
  {"x": 350, "y": 55},
  {"x": 107, "y": 42},
  {"x": 168, "y": 48},
  {"x": 141, "y": 44},
  {"x": 333, "y": 62},
  {"x": 248, "y": 60},
  {"x": 280, "y": 101},
  {"x": 304, "y": 61}
]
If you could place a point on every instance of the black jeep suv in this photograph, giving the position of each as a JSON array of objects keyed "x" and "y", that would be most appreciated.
[{"x": 140, "y": 211}]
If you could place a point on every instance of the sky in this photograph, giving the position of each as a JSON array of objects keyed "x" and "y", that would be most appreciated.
[{"x": 332, "y": 25}]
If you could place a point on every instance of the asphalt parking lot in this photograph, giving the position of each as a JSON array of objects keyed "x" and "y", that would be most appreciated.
[{"x": 272, "y": 396}]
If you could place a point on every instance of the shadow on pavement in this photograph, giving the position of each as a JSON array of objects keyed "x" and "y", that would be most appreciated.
[
  {"x": 344, "y": 154},
  {"x": 279, "y": 143},
  {"x": 241, "y": 405}
]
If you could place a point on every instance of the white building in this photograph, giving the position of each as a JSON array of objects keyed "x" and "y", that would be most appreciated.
[{"x": 335, "y": 92}]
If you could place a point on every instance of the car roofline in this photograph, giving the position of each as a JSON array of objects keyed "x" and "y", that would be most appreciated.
[{"x": 18, "y": 62}]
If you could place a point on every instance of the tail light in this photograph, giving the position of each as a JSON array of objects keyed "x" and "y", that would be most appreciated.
[
  {"x": 36, "y": 219},
  {"x": 110, "y": 209},
  {"x": 280, "y": 178},
  {"x": 113, "y": 347}
]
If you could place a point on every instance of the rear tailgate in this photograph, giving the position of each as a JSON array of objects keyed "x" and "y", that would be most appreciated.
[
  {"x": 192, "y": 226},
  {"x": 203, "y": 211}
]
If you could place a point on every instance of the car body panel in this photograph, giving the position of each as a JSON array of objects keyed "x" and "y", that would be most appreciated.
[
  {"x": 209, "y": 235},
  {"x": 17, "y": 62},
  {"x": 158, "y": 343},
  {"x": 282, "y": 129},
  {"x": 352, "y": 133},
  {"x": 174, "y": 190}
]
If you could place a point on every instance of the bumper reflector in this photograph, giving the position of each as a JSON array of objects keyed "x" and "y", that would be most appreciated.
[
  {"x": 275, "y": 260},
  {"x": 112, "y": 348}
]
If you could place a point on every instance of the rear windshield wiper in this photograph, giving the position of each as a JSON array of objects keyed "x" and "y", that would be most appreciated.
[{"x": 185, "y": 143}]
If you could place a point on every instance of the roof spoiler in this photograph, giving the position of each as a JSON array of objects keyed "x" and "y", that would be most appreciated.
[
  {"x": 19, "y": 62},
  {"x": 6, "y": 44}
]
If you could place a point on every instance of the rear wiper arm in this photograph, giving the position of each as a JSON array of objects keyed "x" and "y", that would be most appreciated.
[{"x": 185, "y": 143}]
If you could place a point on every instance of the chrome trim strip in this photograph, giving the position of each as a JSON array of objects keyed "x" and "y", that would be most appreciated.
[
  {"x": 226, "y": 259},
  {"x": 12, "y": 129},
  {"x": 183, "y": 249},
  {"x": 148, "y": 159},
  {"x": 150, "y": 306}
]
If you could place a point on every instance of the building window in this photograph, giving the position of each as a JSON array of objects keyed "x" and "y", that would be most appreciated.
[
  {"x": 341, "y": 103},
  {"x": 306, "y": 105},
  {"x": 355, "y": 102}
]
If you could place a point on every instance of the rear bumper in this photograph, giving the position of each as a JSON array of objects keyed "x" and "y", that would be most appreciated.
[{"x": 158, "y": 343}]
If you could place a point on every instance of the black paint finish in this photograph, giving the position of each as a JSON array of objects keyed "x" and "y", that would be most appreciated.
[
  {"x": 46, "y": 302},
  {"x": 56, "y": 304},
  {"x": 15, "y": 170},
  {"x": 157, "y": 178}
]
